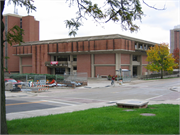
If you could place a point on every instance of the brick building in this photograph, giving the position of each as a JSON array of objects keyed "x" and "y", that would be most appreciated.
[
  {"x": 96, "y": 55},
  {"x": 174, "y": 38},
  {"x": 31, "y": 33}
]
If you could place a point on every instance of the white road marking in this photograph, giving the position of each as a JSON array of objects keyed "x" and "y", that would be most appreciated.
[
  {"x": 58, "y": 102},
  {"x": 154, "y": 97}
]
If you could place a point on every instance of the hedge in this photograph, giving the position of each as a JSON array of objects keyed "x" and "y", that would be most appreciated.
[{"x": 48, "y": 76}]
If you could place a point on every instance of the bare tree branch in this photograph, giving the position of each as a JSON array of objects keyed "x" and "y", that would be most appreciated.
[{"x": 153, "y": 6}]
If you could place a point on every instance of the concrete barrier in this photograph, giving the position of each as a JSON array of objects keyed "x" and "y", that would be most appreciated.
[{"x": 8, "y": 86}]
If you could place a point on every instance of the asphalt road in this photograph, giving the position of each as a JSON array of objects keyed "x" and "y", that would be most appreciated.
[{"x": 152, "y": 90}]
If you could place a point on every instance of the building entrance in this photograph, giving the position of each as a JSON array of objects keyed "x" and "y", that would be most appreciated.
[
  {"x": 59, "y": 70},
  {"x": 135, "y": 71}
]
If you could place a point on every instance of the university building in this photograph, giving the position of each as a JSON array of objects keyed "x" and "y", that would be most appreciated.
[
  {"x": 31, "y": 33},
  {"x": 174, "y": 38},
  {"x": 97, "y": 55}
]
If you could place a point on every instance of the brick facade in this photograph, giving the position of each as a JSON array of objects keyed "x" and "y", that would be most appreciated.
[
  {"x": 104, "y": 70},
  {"x": 104, "y": 59},
  {"x": 125, "y": 58},
  {"x": 144, "y": 61},
  {"x": 84, "y": 63},
  {"x": 31, "y": 33}
]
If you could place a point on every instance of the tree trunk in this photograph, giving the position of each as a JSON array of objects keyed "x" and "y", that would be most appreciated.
[
  {"x": 3, "y": 102},
  {"x": 162, "y": 74}
]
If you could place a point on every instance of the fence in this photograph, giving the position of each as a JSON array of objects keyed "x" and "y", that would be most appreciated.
[
  {"x": 125, "y": 75},
  {"x": 156, "y": 76},
  {"x": 37, "y": 82},
  {"x": 73, "y": 79},
  {"x": 31, "y": 82}
]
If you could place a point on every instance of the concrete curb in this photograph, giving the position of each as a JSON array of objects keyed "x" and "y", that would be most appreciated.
[
  {"x": 19, "y": 94},
  {"x": 177, "y": 89}
]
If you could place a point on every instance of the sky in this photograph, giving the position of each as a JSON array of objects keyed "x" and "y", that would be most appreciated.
[{"x": 155, "y": 26}]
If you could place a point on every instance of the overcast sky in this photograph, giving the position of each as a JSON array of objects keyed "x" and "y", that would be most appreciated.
[{"x": 155, "y": 26}]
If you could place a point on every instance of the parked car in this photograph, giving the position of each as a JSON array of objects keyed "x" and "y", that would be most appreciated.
[{"x": 16, "y": 86}]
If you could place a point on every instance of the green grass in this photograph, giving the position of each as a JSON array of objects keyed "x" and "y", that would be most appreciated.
[{"x": 105, "y": 120}]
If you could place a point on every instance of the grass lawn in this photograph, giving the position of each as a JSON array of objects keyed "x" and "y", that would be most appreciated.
[{"x": 104, "y": 120}]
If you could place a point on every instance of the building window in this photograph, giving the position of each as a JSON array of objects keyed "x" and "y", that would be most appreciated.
[
  {"x": 21, "y": 23},
  {"x": 74, "y": 57},
  {"x": 140, "y": 47},
  {"x": 135, "y": 46},
  {"x": 59, "y": 70},
  {"x": 62, "y": 58},
  {"x": 54, "y": 58},
  {"x": 74, "y": 68},
  {"x": 134, "y": 57}
]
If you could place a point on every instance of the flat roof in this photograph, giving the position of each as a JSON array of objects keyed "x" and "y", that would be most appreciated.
[{"x": 87, "y": 38}]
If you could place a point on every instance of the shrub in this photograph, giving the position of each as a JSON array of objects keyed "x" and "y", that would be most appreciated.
[{"x": 31, "y": 75}]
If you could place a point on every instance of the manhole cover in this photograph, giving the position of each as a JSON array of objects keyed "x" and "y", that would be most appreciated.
[{"x": 147, "y": 114}]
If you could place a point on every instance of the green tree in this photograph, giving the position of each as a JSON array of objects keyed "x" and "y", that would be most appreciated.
[
  {"x": 125, "y": 12},
  {"x": 160, "y": 59}
]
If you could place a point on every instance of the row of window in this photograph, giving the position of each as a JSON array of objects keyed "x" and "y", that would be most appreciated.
[
  {"x": 62, "y": 70},
  {"x": 65, "y": 58},
  {"x": 141, "y": 47}
]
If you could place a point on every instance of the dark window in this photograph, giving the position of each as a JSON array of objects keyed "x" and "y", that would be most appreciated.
[
  {"x": 59, "y": 70},
  {"x": 21, "y": 23},
  {"x": 134, "y": 57},
  {"x": 62, "y": 58},
  {"x": 74, "y": 58},
  {"x": 74, "y": 68},
  {"x": 54, "y": 58}
]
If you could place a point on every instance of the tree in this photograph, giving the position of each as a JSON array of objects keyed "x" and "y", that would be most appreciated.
[
  {"x": 13, "y": 36},
  {"x": 176, "y": 57},
  {"x": 126, "y": 12},
  {"x": 160, "y": 59}
]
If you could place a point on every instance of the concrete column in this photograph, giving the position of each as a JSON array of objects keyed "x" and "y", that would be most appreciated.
[
  {"x": 52, "y": 58},
  {"x": 66, "y": 70},
  {"x": 131, "y": 66},
  {"x": 118, "y": 61},
  {"x": 53, "y": 71},
  {"x": 137, "y": 45},
  {"x": 143, "y": 46},
  {"x": 92, "y": 65},
  {"x": 140, "y": 69},
  {"x": 20, "y": 65},
  {"x": 71, "y": 60}
]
